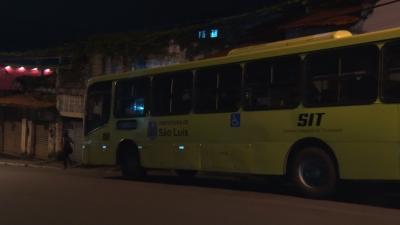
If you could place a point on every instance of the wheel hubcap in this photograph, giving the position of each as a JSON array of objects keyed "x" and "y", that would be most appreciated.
[{"x": 313, "y": 172}]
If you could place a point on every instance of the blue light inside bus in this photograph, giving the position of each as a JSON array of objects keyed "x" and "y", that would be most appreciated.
[
  {"x": 214, "y": 33},
  {"x": 137, "y": 107}
]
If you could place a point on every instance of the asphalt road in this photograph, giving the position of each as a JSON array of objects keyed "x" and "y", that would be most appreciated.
[{"x": 83, "y": 197}]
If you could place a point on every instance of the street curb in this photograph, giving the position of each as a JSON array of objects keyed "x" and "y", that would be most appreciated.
[
  {"x": 32, "y": 165},
  {"x": 13, "y": 164},
  {"x": 18, "y": 164},
  {"x": 42, "y": 166}
]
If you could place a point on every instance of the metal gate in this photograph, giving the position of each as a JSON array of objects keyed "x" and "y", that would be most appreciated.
[
  {"x": 41, "y": 140},
  {"x": 12, "y": 137}
]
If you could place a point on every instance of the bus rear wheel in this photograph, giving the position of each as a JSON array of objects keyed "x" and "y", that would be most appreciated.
[
  {"x": 130, "y": 164},
  {"x": 314, "y": 173}
]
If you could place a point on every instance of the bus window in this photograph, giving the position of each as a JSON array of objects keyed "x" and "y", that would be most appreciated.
[
  {"x": 131, "y": 97},
  {"x": 229, "y": 88},
  {"x": 272, "y": 84},
  {"x": 172, "y": 93},
  {"x": 161, "y": 87},
  {"x": 342, "y": 77},
  {"x": 391, "y": 72},
  {"x": 182, "y": 93},
  {"x": 206, "y": 91},
  {"x": 98, "y": 103},
  {"x": 218, "y": 89}
]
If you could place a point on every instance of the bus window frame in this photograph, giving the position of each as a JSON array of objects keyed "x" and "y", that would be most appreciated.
[
  {"x": 383, "y": 69},
  {"x": 212, "y": 68},
  {"x": 298, "y": 84},
  {"x": 191, "y": 94},
  {"x": 85, "y": 129},
  {"x": 146, "y": 99},
  {"x": 171, "y": 75},
  {"x": 338, "y": 104}
]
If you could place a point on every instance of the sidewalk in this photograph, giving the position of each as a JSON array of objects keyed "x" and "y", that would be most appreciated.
[{"x": 10, "y": 160}]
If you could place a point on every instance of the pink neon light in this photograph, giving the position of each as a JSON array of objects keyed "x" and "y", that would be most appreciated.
[
  {"x": 47, "y": 71},
  {"x": 35, "y": 71}
]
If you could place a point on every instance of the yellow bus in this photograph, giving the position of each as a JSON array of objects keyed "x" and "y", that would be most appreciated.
[{"x": 317, "y": 109}]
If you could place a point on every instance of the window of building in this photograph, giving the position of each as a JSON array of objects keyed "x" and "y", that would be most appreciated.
[
  {"x": 391, "y": 72},
  {"x": 202, "y": 34},
  {"x": 272, "y": 84},
  {"x": 132, "y": 97},
  {"x": 218, "y": 89},
  {"x": 172, "y": 93},
  {"x": 342, "y": 76},
  {"x": 214, "y": 33},
  {"x": 98, "y": 105}
]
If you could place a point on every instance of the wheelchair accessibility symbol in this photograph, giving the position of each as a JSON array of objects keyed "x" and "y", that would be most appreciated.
[{"x": 235, "y": 120}]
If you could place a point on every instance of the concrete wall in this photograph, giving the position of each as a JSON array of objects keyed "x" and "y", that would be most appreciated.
[
  {"x": 96, "y": 65},
  {"x": 70, "y": 105}
]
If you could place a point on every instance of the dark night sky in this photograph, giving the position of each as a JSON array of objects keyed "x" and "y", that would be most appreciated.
[{"x": 33, "y": 24}]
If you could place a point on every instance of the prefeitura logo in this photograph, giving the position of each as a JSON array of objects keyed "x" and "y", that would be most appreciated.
[{"x": 152, "y": 130}]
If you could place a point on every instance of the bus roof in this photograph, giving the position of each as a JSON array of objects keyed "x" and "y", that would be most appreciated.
[
  {"x": 269, "y": 50},
  {"x": 290, "y": 42}
]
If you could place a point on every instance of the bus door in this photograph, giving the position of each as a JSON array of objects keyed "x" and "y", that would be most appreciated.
[{"x": 97, "y": 128}]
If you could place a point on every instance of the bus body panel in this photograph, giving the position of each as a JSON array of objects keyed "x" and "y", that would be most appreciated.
[
  {"x": 368, "y": 160},
  {"x": 364, "y": 139},
  {"x": 99, "y": 149}
]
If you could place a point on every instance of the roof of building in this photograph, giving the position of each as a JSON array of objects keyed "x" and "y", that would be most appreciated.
[{"x": 329, "y": 17}]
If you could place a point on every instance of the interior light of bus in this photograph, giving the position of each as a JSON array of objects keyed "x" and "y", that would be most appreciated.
[
  {"x": 140, "y": 147},
  {"x": 8, "y": 68},
  {"x": 21, "y": 69},
  {"x": 104, "y": 147},
  {"x": 181, "y": 147},
  {"x": 137, "y": 107}
]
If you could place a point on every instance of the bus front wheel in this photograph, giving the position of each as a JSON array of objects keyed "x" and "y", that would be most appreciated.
[
  {"x": 314, "y": 173},
  {"x": 130, "y": 164}
]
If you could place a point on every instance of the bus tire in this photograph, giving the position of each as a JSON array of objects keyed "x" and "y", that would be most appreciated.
[
  {"x": 130, "y": 164},
  {"x": 186, "y": 174},
  {"x": 314, "y": 173}
]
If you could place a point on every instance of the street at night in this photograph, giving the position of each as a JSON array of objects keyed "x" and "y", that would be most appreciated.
[
  {"x": 272, "y": 112},
  {"x": 100, "y": 196}
]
